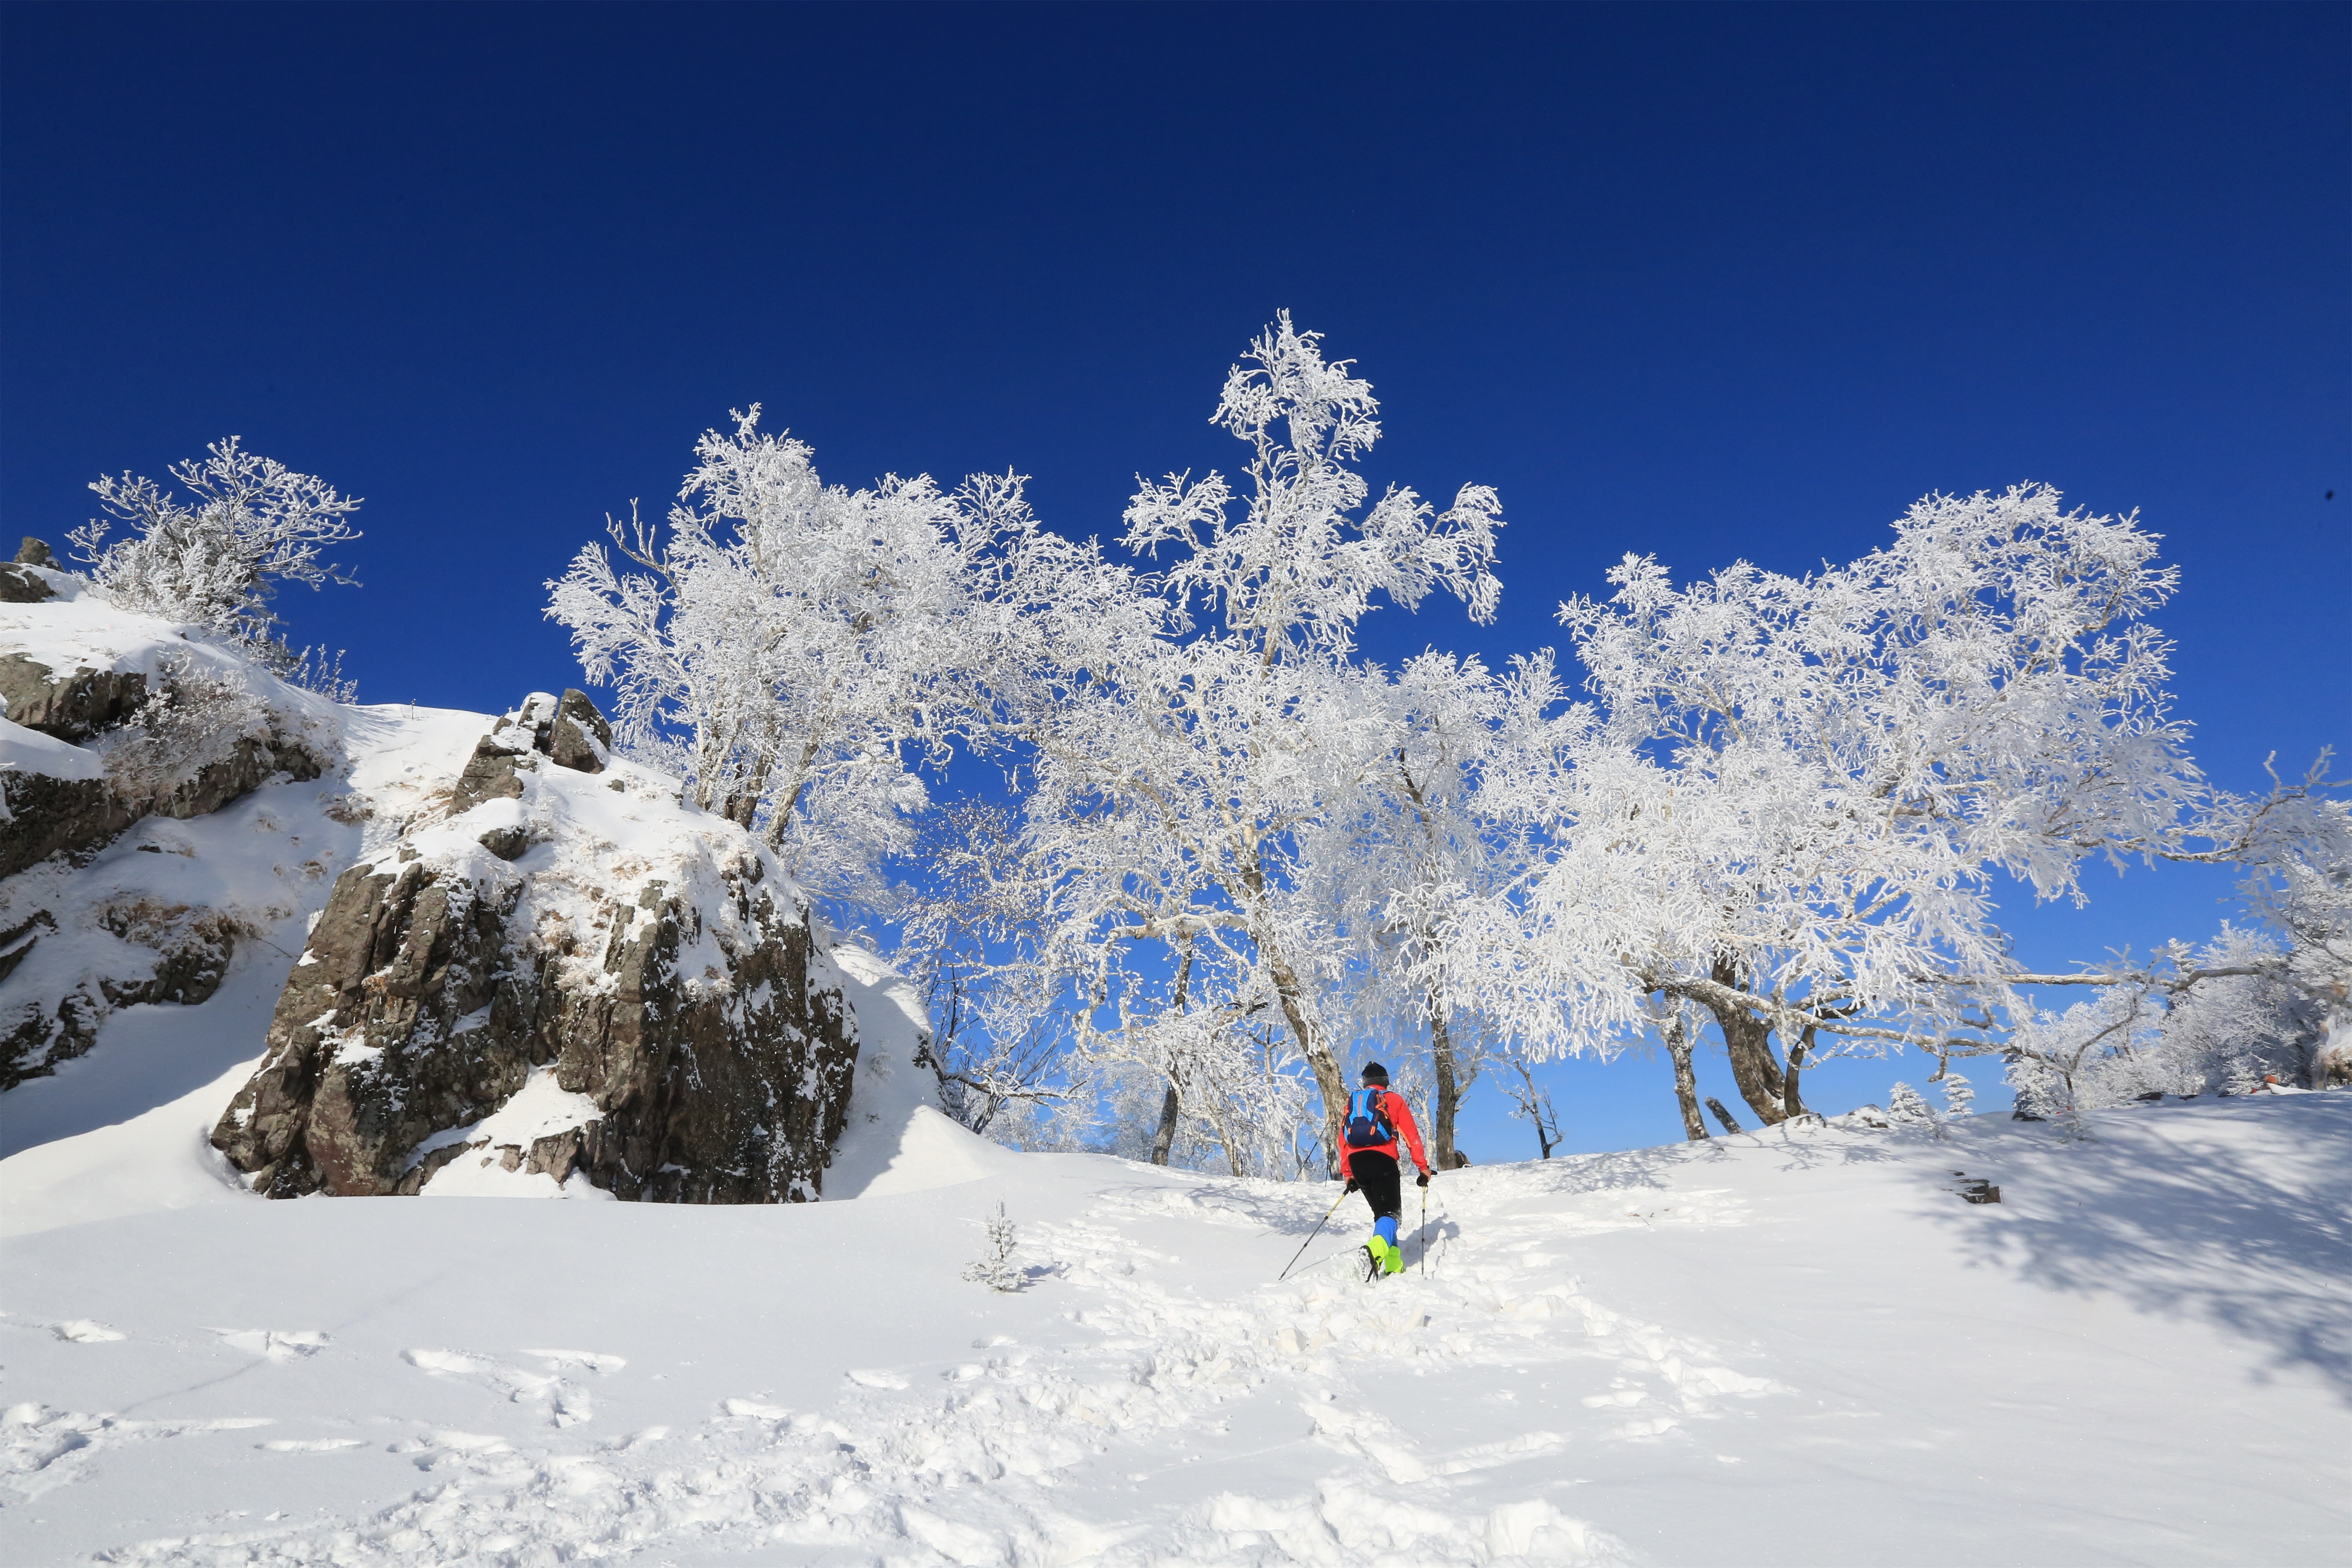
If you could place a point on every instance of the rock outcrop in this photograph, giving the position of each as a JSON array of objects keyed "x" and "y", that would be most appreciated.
[
  {"x": 570, "y": 978},
  {"x": 20, "y": 583},
  {"x": 19, "y": 586},
  {"x": 181, "y": 753},
  {"x": 46, "y": 816},
  {"x": 72, "y": 704},
  {"x": 112, "y": 718}
]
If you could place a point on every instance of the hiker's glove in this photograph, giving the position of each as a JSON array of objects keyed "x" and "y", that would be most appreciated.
[
  {"x": 1423, "y": 1180},
  {"x": 1352, "y": 1186}
]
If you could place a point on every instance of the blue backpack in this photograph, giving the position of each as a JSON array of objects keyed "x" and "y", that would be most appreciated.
[{"x": 1367, "y": 1126}]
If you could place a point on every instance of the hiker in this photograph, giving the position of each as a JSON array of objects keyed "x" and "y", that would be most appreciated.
[{"x": 1376, "y": 1114}]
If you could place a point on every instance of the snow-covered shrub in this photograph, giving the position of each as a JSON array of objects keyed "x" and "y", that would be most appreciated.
[
  {"x": 311, "y": 670},
  {"x": 195, "y": 722},
  {"x": 994, "y": 1268},
  {"x": 2224, "y": 1017},
  {"x": 1906, "y": 1107},
  {"x": 217, "y": 560},
  {"x": 2249, "y": 1006},
  {"x": 2122, "y": 1045},
  {"x": 1959, "y": 1098}
]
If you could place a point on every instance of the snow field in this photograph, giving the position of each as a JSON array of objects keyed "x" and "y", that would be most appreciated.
[{"x": 1798, "y": 1349}]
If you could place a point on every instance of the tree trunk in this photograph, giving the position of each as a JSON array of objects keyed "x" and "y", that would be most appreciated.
[
  {"x": 1791, "y": 1104},
  {"x": 1449, "y": 1093},
  {"x": 1164, "y": 1141},
  {"x": 1678, "y": 1046},
  {"x": 1749, "y": 1041},
  {"x": 1329, "y": 1080}
]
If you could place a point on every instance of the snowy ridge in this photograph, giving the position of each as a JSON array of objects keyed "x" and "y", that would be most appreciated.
[{"x": 1794, "y": 1347}]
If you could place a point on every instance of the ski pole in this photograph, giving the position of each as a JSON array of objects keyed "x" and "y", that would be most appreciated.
[
  {"x": 1423, "y": 1236},
  {"x": 1311, "y": 1235}
]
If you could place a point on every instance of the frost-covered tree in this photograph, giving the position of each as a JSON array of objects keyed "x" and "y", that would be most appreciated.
[
  {"x": 1791, "y": 799},
  {"x": 216, "y": 557},
  {"x": 1175, "y": 772},
  {"x": 799, "y": 651},
  {"x": 2267, "y": 1002},
  {"x": 1397, "y": 857}
]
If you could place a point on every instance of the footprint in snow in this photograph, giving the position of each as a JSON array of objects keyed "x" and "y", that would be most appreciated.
[
  {"x": 312, "y": 1445},
  {"x": 587, "y": 1361},
  {"x": 567, "y": 1402},
  {"x": 276, "y": 1344},
  {"x": 869, "y": 1378},
  {"x": 82, "y": 1331}
]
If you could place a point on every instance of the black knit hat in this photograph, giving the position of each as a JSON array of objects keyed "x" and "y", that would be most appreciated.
[{"x": 1375, "y": 1073}]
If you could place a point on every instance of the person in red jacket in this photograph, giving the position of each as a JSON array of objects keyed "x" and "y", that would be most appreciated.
[{"x": 1376, "y": 1116}]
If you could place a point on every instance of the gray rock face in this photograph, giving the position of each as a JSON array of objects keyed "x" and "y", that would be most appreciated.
[
  {"x": 506, "y": 843},
  {"x": 579, "y": 739},
  {"x": 36, "y": 553},
  {"x": 557, "y": 730},
  {"x": 19, "y": 586},
  {"x": 74, "y": 706},
  {"x": 492, "y": 773},
  {"x": 56, "y": 817},
  {"x": 252, "y": 763},
  {"x": 416, "y": 1012},
  {"x": 159, "y": 758}
]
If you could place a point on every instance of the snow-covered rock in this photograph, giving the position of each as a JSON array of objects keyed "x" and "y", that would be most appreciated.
[
  {"x": 643, "y": 974},
  {"x": 112, "y": 719}
]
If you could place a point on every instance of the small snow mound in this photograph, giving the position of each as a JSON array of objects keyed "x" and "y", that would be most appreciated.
[
  {"x": 897, "y": 1138},
  {"x": 82, "y": 1331},
  {"x": 932, "y": 1151}
]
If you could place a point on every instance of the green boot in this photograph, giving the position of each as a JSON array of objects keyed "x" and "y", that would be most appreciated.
[{"x": 1395, "y": 1260}]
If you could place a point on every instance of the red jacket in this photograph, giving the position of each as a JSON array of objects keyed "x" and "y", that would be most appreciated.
[{"x": 1400, "y": 1117}]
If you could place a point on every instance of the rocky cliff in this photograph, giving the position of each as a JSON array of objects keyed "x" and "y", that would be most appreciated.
[{"x": 568, "y": 977}]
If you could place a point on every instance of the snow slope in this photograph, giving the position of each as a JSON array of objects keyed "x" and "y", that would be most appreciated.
[
  {"x": 1773, "y": 1349},
  {"x": 897, "y": 1138}
]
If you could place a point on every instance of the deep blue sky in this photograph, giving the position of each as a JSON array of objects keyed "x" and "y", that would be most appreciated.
[{"x": 1704, "y": 282}]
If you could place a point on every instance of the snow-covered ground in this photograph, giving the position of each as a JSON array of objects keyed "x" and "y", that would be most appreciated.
[{"x": 1799, "y": 1349}]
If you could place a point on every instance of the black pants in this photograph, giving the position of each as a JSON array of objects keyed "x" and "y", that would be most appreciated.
[{"x": 1377, "y": 1178}]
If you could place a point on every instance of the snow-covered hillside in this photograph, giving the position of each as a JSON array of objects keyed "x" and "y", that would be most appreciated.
[{"x": 1799, "y": 1347}]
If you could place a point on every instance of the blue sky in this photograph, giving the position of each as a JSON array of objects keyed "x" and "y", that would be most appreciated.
[{"x": 1706, "y": 282}]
